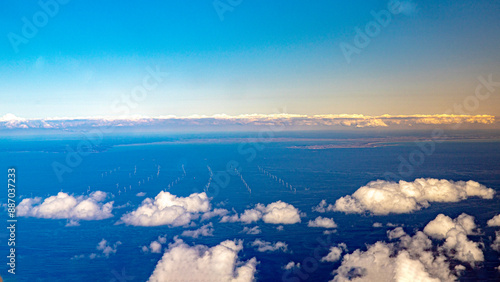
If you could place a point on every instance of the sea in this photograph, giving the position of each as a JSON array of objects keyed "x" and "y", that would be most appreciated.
[{"x": 317, "y": 165}]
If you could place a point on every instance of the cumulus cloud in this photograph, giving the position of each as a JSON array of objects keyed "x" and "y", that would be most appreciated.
[
  {"x": 65, "y": 206},
  {"x": 155, "y": 246},
  {"x": 72, "y": 222},
  {"x": 205, "y": 230},
  {"x": 218, "y": 263},
  {"x": 454, "y": 232},
  {"x": 411, "y": 259},
  {"x": 495, "y": 221},
  {"x": 383, "y": 197},
  {"x": 440, "y": 226},
  {"x": 415, "y": 258},
  {"x": 168, "y": 209},
  {"x": 214, "y": 213},
  {"x": 263, "y": 246},
  {"x": 251, "y": 231},
  {"x": 335, "y": 253},
  {"x": 396, "y": 233},
  {"x": 291, "y": 265},
  {"x": 106, "y": 248},
  {"x": 323, "y": 222},
  {"x": 275, "y": 213},
  {"x": 141, "y": 194},
  {"x": 321, "y": 207},
  {"x": 496, "y": 244}
]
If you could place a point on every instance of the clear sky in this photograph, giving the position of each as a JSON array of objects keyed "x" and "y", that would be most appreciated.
[{"x": 258, "y": 57}]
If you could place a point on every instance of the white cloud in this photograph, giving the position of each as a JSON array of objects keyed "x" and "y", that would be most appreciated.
[
  {"x": 106, "y": 248},
  {"x": 496, "y": 244},
  {"x": 275, "y": 213},
  {"x": 214, "y": 213},
  {"x": 64, "y": 206},
  {"x": 396, "y": 233},
  {"x": 72, "y": 222},
  {"x": 377, "y": 224},
  {"x": 383, "y": 197},
  {"x": 455, "y": 232},
  {"x": 141, "y": 194},
  {"x": 155, "y": 246},
  {"x": 291, "y": 265},
  {"x": 495, "y": 221},
  {"x": 321, "y": 207},
  {"x": 411, "y": 259},
  {"x": 322, "y": 222},
  {"x": 414, "y": 258},
  {"x": 201, "y": 263},
  {"x": 440, "y": 226},
  {"x": 77, "y": 257},
  {"x": 205, "y": 230},
  {"x": 290, "y": 120},
  {"x": 281, "y": 213},
  {"x": 335, "y": 253},
  {"x": 251, "y": 231},
  {"x": 263, "y": 246},
  {"x": 168, "y": 209}
]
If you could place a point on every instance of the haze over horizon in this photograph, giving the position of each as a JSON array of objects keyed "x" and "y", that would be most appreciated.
[{"x": 89, "y": 59}]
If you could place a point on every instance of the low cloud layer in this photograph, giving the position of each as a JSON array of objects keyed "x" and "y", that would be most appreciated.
[
  {"x": 65, "y": 206},
  {"x": 275, "y": 213},
  {"x": 168, "y": 209},
  {"x": 201, "y": 263},
  {"x": 383, "y": 197},
  {"x": 10, "y": 121}
]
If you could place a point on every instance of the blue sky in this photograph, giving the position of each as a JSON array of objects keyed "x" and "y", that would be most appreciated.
[{"x": 260, "y": 58}]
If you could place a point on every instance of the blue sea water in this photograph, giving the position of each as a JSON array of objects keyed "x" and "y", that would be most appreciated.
[{"x": 45, "y": 247}]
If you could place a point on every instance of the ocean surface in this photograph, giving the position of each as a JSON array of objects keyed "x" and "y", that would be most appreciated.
[{"x": 47, "y": 249}]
